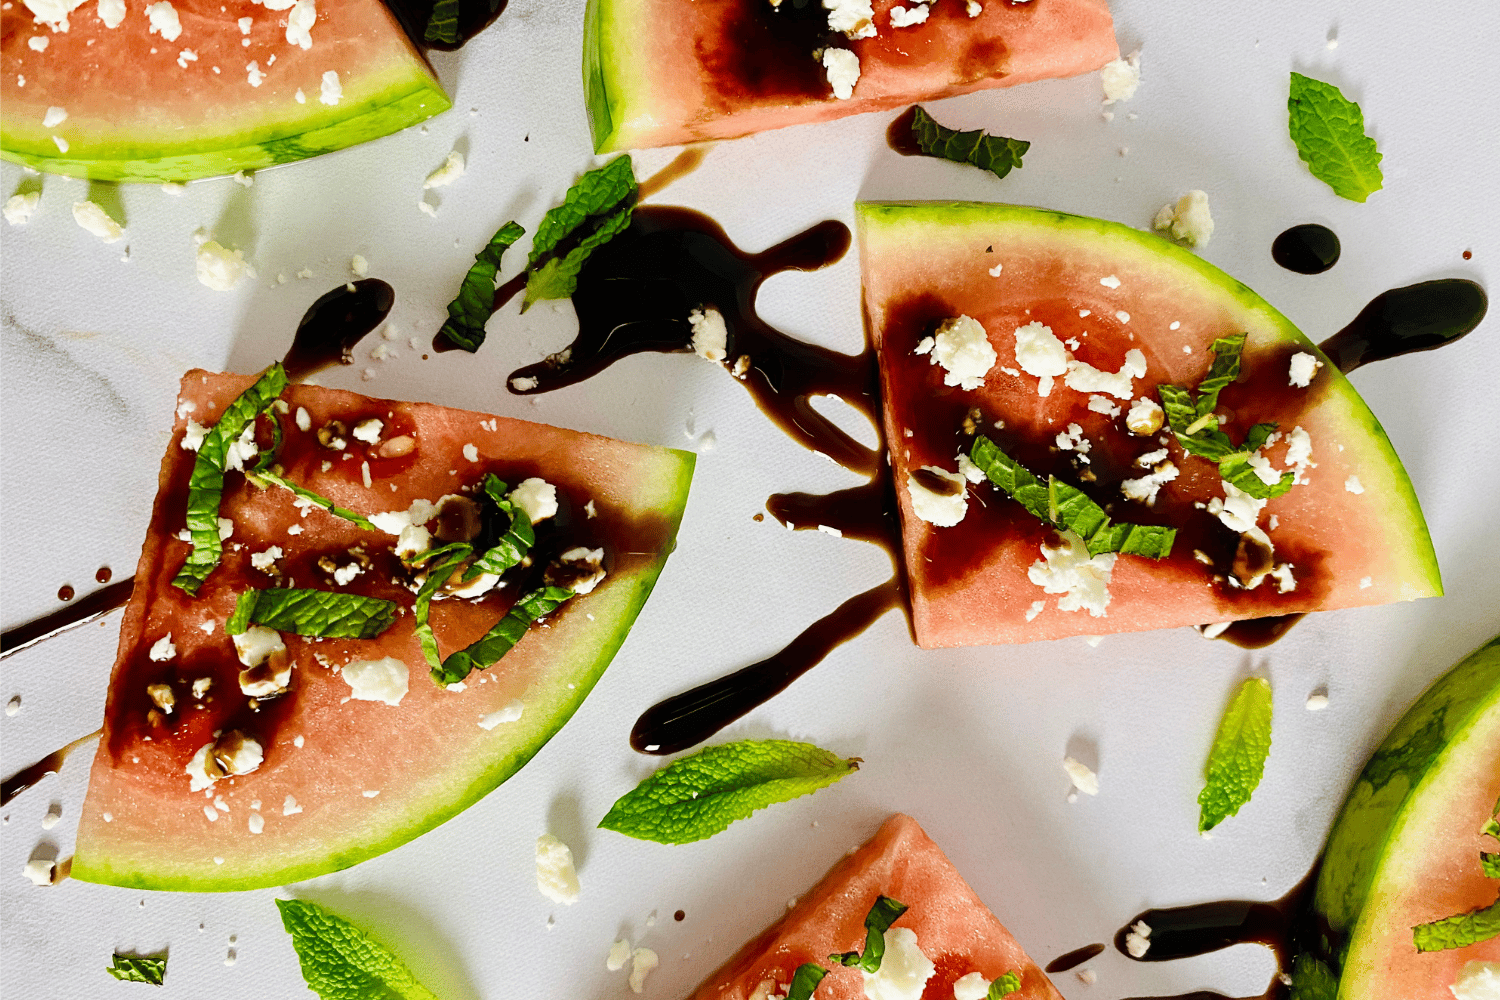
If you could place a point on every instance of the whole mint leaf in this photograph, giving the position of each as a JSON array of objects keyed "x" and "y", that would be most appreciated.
[
  {"x": 1459, "y": 931},
  {"x": 994, "y": 153},
  {"x": 1329, "y": 130},
  {"x": 468, "y": 313},
  {"x": 700, "y": 795},
  {"x": 342, "y": 962},
  {"x": 139, "y": 968},
  {"x": 1238, "y": 757}
]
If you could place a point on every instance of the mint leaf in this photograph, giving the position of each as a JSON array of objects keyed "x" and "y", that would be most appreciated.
[
  {"x": 1460, "y": 931},
  {"x": 1238, "y": 757},
  {"x": 885, "y": 912},
  {"x": 1329, "y": 131},
  {"x": 994, "y": 153},
  {"x": 1065, "y": 506},
  {"x": 700, "y": 795},
  {"x": 1235, "y": 469},
  {"x": 805, "y": 980},
  {"x": 442, "y": 23},
  {"x": 312, "y": 612},
  {"x": 342, "y": 962},
  {"x": 1007, "y": 984},
  {"x": 1490, "y": 863},
  {"x": 505, "y": 633},
  {"x": 265, "y": 478},
  {"x": 595, "y": 210},
  {"x": 440, "y": 563},
  {"x": 514, "y": 544},
  {"x": 468, "y": 313},
  {"x": 206, "y": 485},
  {"x": 139, "y": 969}
]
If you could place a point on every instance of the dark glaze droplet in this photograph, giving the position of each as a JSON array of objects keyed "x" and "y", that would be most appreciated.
[
  {"x": 1258, "y": 633},
  {"x": 682, "y": 164},
  {"x": 65, "y": 593},
  {"x": 100, "y": 602},
  {"x": 334, "y": 324},
  {"x": 1468, "y": 255},
  {"x": 473, "y": 17},
  {"x": 1420, "y": 317},
  {"x": 679, "y": 916},
  {"x": 1074, "y": 958},
  {"x": 1306, "y": 249},
  {"x": 103, "y": 574},
  {"x": 900, "y": 136},
  {"x": 32, "y": 773}
]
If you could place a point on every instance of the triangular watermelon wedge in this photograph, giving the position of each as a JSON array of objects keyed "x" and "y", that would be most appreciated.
[
  {"x": 1350, "y": 532},
  {"x": 203, "y": 87},
  {"x": 954, "y": 929},
  {"x": 345, "y": 779}
]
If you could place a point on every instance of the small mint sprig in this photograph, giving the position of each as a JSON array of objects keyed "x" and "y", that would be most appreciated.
[
  {"x": 594, "y": 211},
  {"x": 1329, "y": 130},
  {"x": 139, "y": 968},
  {"x": 302, "y": 611},
  {"x": 341, "y": 962},
  {"x": 471, "y": 310},
  {"x": 1238, "y": 757},
  {"x": 885, "y": 912},
  {"x": 1465, "y": 929},
  {"x": 995, "y": 153}
]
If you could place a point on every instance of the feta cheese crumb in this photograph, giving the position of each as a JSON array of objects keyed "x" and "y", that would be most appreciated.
[
  {"x": 1138, "y": 939},
  {"x": 842, "y": 69},
  {"x": 1365, "y": 583},
  {"x": 164, "y": 20},
  {"x": 1082, "y": 776},
  {"x": 710, "y": 335},
  {"x": 556, "y": 877},
  {"x": 163, "y": 649},
  {"x": 38, "y": 43},
  {"x": 19, "y": 207},
  {"x": 1353, "y": 485},
  {"x": 254, "y": 645},
  {"x": 524, "y": 384},
  {"x": 510, "y": 713},
  {"x": 1037, "y": 607},
  {"x": 942, "y": 510},
  {"x": 54, "y": 117},
  {"x": 537, "y": 497},
  {"x": 973, "y": 8},
  {"x": 450, "y": 170},
  {"x": 220, "y": 268},
  {"x": 1101, "y": 404},
  {"x": 1188, "y": 220},
  {"x": 619, "y": 954},
  {"x": 854, "y": 18},
  {"x": 1121, "y": 77},
  {"x": 1238, "y": 510},
  {"x": 1084, "y": 377},
  {"x": 289, "y": 807},
  {"x": 368, "y": 430},
  {"x": 1040, "y": 353},
  {"x": 39, "y": 870},
  {"x": 903, "y": 18},
  {"x": 963, "y": 349},
  {"x": 253, "y": 74},
  {"x": 97, "y": 221},
  {"x": 384, "y": 680},
  {"x": 1477, "y": 980},
  {"x": 331, "y": 91},
  {"x": 1068, "y": 569},
  {"x": 971, "y": 987},
  {"x": 111, "y": 12},
  {"x": 299, "y": 24},
  {"x": 1303, "y": 367},
  {"x": 183, "y": 58},
  {"x": 257, "y": 823},
  {"x": 245, "y": 23},
  {"x": 1145, "y": 488},
  {"x": 904, "y": 972},
  {"x": 1317, "y": 701},
  {"x": 62, "y": 147}
]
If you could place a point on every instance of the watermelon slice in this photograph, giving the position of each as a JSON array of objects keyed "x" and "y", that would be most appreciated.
[
  {"x": 1405, "y": 847},
  {"x": 181, "y": 97},
  {"x": 1349, "y": 533},
  {"x": 344, "y": 780},
  {"x": 665, "y": 72},
  {"x": 954, "y": 929}
]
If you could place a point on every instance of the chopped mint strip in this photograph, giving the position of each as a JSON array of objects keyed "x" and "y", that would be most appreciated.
[
  {"x": 206, "y": 486},
  {"x": 805, "y": 980},
  {"x": 1490, "y": 863},
  {"x": 700, "y": 795},
  {"x": 499, "y": 640},
  {"x": 139, "y": 969},
  {"x": 1460, "y": 931},
  {"x": 312, "y": 612},
  {"x": 1235, "y": 469},
  {"x": 442, "y": 23},
  {"x": 265, "y": 478},
  {"x": 884, "y": 913},
  {"x": 1007, "y": 984},
  {"x": 513, "y": 545},
  {"x": 1065, "y": 506},
  {"x": 994, "y": 153},
  {"x": 342, "y": 962},
  {"x": 468, "y": 313},
  {"x": 1329, "y": 131},
  {"x": 1238, "y": 757},
  {"x": 440, "y": 563},
  {"x": 596, "y": 210}
]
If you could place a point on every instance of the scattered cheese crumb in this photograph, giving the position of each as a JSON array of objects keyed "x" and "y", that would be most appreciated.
[
  {"x": 1317, "y": 701},
  {"x": 331, "y": 90},
  {"x": 39, "y": 870},
  {"x": 537, "y": 497},
  {"x": 842, "y": 68},
  {"x": 1138, "y": 939},
  {"x": 1477, "y": 980},
  {"x": 1082, "y": 776},
  {"x": 164, "y": 20},
  {"x": 962, "y": 348},
  {"x": 642, "y": 961},
  {"x": 163, "y": 649},
  {"x": 510, "y": 713},
  {"x": 1040, "y": 353},
  {"x": 1121, "y": 77},
  {"x": 556, "y": 877},
  {"x": 54, "y": 117},
  {"x": 290, "y": 807},
  {"x": 904, "y": 972},
  {"x": 358, "y": 266},
  {"x": 942, "y": 510},
  {"x": 97, "y": 221},
  {"x": 903, "y": 18},
  {"x": 1353, "y": 485},
  {"x": 1084, "y": 377},
  {"x": 450, "y": 170},
  {"x": 619, "y": 954},
  {"x": 383, "y": 680},
  {"x": 1188, "y": 220},
  {"x": 1303, "y": 367},
  {"x": 1068, "y": 569},
  {"x": 368, "y": 430},
  {"x": 220, "y": 268},
  {"x": 710, "y": 335},
  {"x": 19, "y": 207},
  {"x": 299, "y": 25}
]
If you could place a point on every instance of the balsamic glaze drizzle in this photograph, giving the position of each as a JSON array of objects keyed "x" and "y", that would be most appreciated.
[
  {"x": 1420, "y": 317},
  {"x": 32, "y": 773},
  {"x": 1074, "y": 958},
  {"x": 1306, "y": 249}
]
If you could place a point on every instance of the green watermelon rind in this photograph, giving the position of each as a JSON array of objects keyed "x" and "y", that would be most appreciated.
[
  {"x": 600, "y": 638},
  {"x": 1400, "y": 504},
  {"x": 1390, "y": 791},
  {"x": 598, "y": 83},
  {"x": 413, "y": 95}
]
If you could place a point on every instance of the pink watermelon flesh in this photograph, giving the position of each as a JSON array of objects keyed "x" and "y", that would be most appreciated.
[
  {"x": 665, "y": 72},
  {"x": 954, "y": 929},
  {"x": 142, "y": 108},
  {"x": 926, "y": 262},
  {"x": 427, "y": 757}
]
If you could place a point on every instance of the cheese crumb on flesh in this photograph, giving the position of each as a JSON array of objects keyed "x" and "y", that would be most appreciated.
[
  {"x": 619, "y": 954},
  {"x": 111, "y": 12},
  {"x": 1146, "y": 487},
  {"x": 289, "y": 807},
  {"x": 164, "y": 20},
  {"x": 1353, "y": 485},
  {"x": 971, "y": 987},
  {"x": 384, "y": 680},
  {"x": 97, "y": 221},
  {"x": 969, "y": 470},
  {"x": 1040, "y": 353},
  {"x": 842, "y": 69},
  {"x": 331, "y": 91},
  {"x": 583, "y": 567},
  {"x": 1110, "y": 281},
  {"x": 1187, "y": 220},
  {"x": 1084, "y": 377},
  {"x": 254, "y": 645},
  {"x": 19, "y": 207},
  {"x": 220, "y": 268},
  {"x": 853, "y": 18},
  {"x": 1082, "y": 776},
  {"x": 369, "y": 430},
  {"x": 642, "y": 961},
  {"x": 903, "y": 18},
  {"x": 299, "y": 24},
  {"x": 266, "y": 561},
  {"x": 37, "y": 42},
  {"x": 1102, "y": 404},
  {"x": 163, "y": 650},
  {"x": 1138, "y": 939},
  {"x": 1303, "y": 367},
  {"x": 973, "y": 8},
  {"x": 395, "y": 522},
  {"x": 962, "y": 348},
  {"x": 450, "y": 170},
  {"x": 904, "y": 971},
  {"x": 512, "y": 712},
  {"x": 1477, "y": 980},
  {"x": 537, "y": 497},
  {"x": 54, "y": 117},
  {"x": 1299, "y": 452},
  {"x": 942, "y": 510},
  {"x": 242, "y": 449},
  {"x": 1037, "y": 607},
  {"x": 257, "y": 823},
  {"x": 556, "y": 877},
  {"x": 1121, "y": 77},
  {"x": 710, "y": 335},
  {"x": 1238, "y": 510},
  {"x": 1069, "y": 570}
]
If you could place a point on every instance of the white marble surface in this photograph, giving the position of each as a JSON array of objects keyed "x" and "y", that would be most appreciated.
[{"x": 969, "y": 741}]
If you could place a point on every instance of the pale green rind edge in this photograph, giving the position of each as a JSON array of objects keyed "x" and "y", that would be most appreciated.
[
  {"x": 413, "y": 98},
  {"x": 674, "y": 494},
  {"x": 889, "y": 214},
  {"x": 596, "y": 83},
  {"x": 1371, "y": 818}
]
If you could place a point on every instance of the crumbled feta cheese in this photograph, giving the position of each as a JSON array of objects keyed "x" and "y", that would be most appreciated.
[
  {"x": 111, "y": 12},
  {"x": 1087, "y": 977},
  {"x": 299, "y": 24},
  {"x": 1353, "y": 485},
  {"x": 969, "y": 470},
  {"x": 1072, "y": 439},
  {"x": 394, "y": 522},
  {"x": 537, "y": 497},
  {"x": 619, "y": 954},
  {"x": 1303, "y": 367},
  {"x": 710, "y": 335},
  {"x": 903, "y": 18},
  {"x": 369, "y": 430},
  {"x": 1040, "y": 353},
  {"x": 193, "y": 435},
  {"x": 971, "y": 987},
  {"x": 257, "y": 643},
  {"x": 1138, "y": 939},
  {"x": 1299, "y": 451},
  {"x": 904, "y": 972},
  {"x": 1365, "y": 582},
  {"x": 1144, "y": 489},
  {"x": 842, "y": 69},
  {"x": 943, "y": 510},
  {"x": 854, "y": 18},
  {"x": 1068, "y": 569},
  {"x": 1477, "y": 980},
  {"x": 164, "y": 20},
  {"x": 220, "y": 268},
  {"x": 524, "y": 384},
  {"x": 383, "y": 680},
  {"x": 62, "y": 147},
  {"x": 54, "y": 117},
  {"x": 1037, "y": 607},
  {"x": 555, "y": 875},
  {"x": 973, "y": 8},
  {"x": 97, "y": 221},
  {"x": 162, "y": 649},
  {"x": 331, "y": 90},
  {"x": 242, "y": 449},
  {"x": 512, "y": 712},
  {"x": 1187, "y": 220},
  {"x": 1238, "y": 510},
  {"x": 37, "y": 42},
  {"x": 1084, "y": 377},
  {"x": 1285, "y": 581},
  {"x": 1317, "y": 701},
  {"x": 450, "y": 170},
  {"x": 642, "y": 961},
  {"x": 1121, "y": 77},
  {"x": 266, "y": 561},
  {"x": 183, "y": 58},
  {"x": 201, "y": 686},
  {"x": 1082, "y": 776},
  {"x": 39, "y": 870},
  {"x": 963, "y": 349},
  {"x": 289, "y": 807},
  {"x": 162, "y": 696},
  {"x": 19, "y": 207},
  {"x": 584, "y": 568},
  {"x": 54, "y": 814},
  {"x": 245, "y": 23},
  {"x": 303, "y": 419},
  {"x": 253, "y": 73},
  {"x": 1101, "y": 404},
  {"x": 257, "y": 823}
]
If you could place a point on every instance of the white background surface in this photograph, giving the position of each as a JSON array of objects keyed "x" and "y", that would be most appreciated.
[{"x": 969, "y": 741}]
